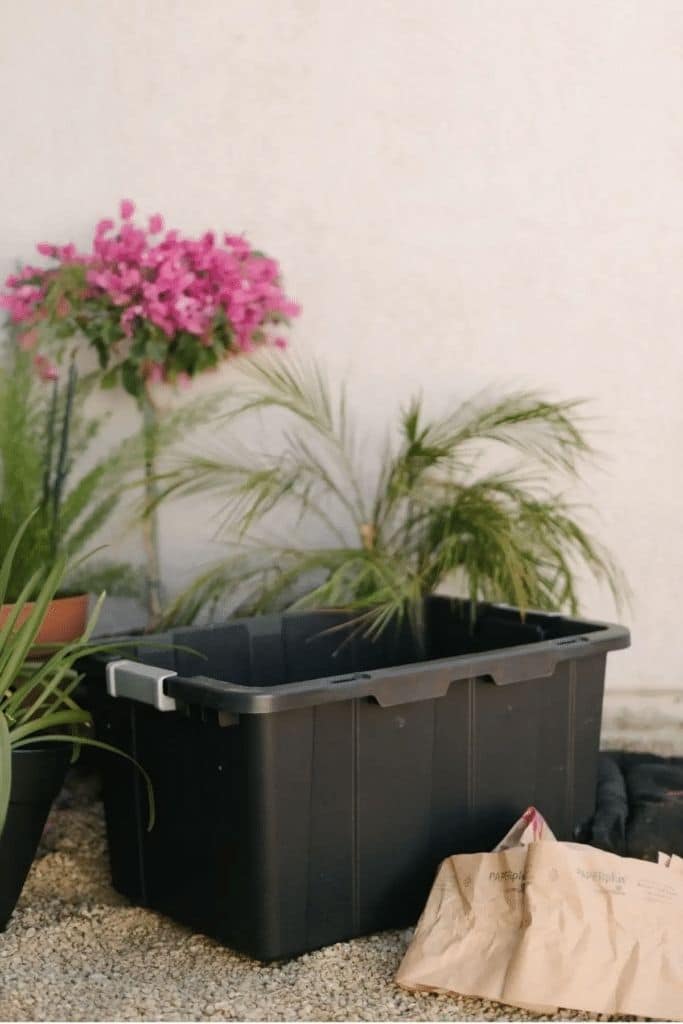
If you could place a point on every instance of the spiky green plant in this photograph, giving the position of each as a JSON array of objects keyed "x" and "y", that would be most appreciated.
[
  {"x": 45, "y": 440},
  {"x": 43, "y": 437},
  {"x": 36, "y": 696},
  {"x": 432, "y": 515}
]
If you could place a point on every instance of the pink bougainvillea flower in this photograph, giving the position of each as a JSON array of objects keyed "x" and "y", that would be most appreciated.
[
  {"x": 237, "y": 243},
  {"x": 103, "y": 227},
  {"x": 45, "y": 249},
  {"x": 280, "y": 342},
  {"x": 66, "y": 253},
  {"x": 127, "y": 209},
  {"x": 289, "y": 308},
  {"x": 156, "y": 224},
  {"x": 130, "y": 277}
]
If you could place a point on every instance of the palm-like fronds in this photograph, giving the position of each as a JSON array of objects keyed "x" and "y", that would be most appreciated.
[{"x": 431, "y": 517}]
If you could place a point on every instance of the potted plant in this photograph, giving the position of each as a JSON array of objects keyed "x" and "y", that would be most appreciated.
[
  {"x": 155, "y": 306},
  {"x": 40, "y": 722},
  {"x": 43, "y": 438},
  {"x": 432, "y": 517}
]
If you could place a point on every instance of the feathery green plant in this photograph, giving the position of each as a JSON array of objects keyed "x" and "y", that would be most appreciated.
[
  {"x": 36, "y": 697},
  {"x": 433, "y": 515}
]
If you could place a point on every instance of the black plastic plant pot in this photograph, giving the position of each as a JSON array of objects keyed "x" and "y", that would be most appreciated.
[
  {"x": 309, "y": 782},
  {"x": 37, "y": 776}
]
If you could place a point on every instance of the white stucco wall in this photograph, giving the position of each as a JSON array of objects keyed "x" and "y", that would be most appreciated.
[{"x": 461, "y": 193}]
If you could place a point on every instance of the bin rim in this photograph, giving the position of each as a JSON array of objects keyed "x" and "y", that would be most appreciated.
[{"x": 402, "y": 683}]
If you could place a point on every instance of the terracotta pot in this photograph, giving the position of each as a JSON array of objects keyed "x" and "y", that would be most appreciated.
[{"x": 65, "y": 619}]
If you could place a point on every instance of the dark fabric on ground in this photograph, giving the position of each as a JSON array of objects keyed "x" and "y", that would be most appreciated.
[{"x": 639, "y": 809}]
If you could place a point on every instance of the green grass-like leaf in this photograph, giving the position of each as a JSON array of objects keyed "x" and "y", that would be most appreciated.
[{"x": 36, "y": 702}]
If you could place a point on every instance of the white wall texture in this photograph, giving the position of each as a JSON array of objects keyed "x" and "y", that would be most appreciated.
[{"x": 462, "y": 193}]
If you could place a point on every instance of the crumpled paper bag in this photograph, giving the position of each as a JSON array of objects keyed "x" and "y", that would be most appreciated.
[{"x": 551, "y": 924}]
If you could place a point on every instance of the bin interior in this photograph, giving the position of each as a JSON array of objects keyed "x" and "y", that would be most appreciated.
[{"x": 278, "y": 649}]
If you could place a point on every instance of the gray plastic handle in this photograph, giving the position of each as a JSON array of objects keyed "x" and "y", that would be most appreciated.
[{"x": 144, "y": 683}]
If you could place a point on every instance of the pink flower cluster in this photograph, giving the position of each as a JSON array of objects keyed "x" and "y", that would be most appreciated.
[
  {"x": 220, "y": 293},
  {"x": 28, "y": 290}
]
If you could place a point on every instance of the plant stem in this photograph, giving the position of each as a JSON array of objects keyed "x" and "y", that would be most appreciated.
[
  {"x": 150, "y": 522},
  {"x": 62, "y": 468},
  {"x": 49, "y": 446}
]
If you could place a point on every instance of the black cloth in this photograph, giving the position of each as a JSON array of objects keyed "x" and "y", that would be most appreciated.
[{"x": 639, "y": 807}]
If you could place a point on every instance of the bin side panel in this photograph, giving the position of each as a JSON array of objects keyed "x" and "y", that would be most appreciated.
[
  {"x": 454, "y": 772},
  {"x": 115, "y": 723},
  {"x": 300, "y": 780},
  {"x": 584, "y": 724},
  {"x": 267, "y": 655},
  {"x": 194, "y": 766},
  {"x": 450, "y": 632},
  {"x": 537, "y": 743},
  {"x": 396, "y": 645},
  {"x": 506, "y": 730},
  {"x": 553, "y": 751},
  {"x": 223, "y": 652},
  {"x": 279, "y": 791},
  {"x": 393, "y": 792},
  {"x": 570, "y": 713},
  {"x": 193, "y": 865},
  {"x": 314, "y": 648},
  {"x": 332, "y": 892}
]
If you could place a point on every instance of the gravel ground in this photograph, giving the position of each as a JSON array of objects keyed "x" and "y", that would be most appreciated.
[{"x": 75, "y": 950}]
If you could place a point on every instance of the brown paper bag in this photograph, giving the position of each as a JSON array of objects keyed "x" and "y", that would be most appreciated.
[
  {"x": 557, "y": 924},
  {"x": 529, "y": 828}
]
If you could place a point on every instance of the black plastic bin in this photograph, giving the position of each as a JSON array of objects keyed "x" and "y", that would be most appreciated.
[{"x": 308, "y": 787}]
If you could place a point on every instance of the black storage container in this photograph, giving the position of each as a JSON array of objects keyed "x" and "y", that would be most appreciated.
[{"x": 307, "y": 784}]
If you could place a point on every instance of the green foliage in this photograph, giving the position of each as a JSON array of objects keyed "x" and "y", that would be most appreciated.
[
  {"x": 36, "y": 696},
  {"x": 43, "y": 435},
  {"x": 432, "y": 516}
]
